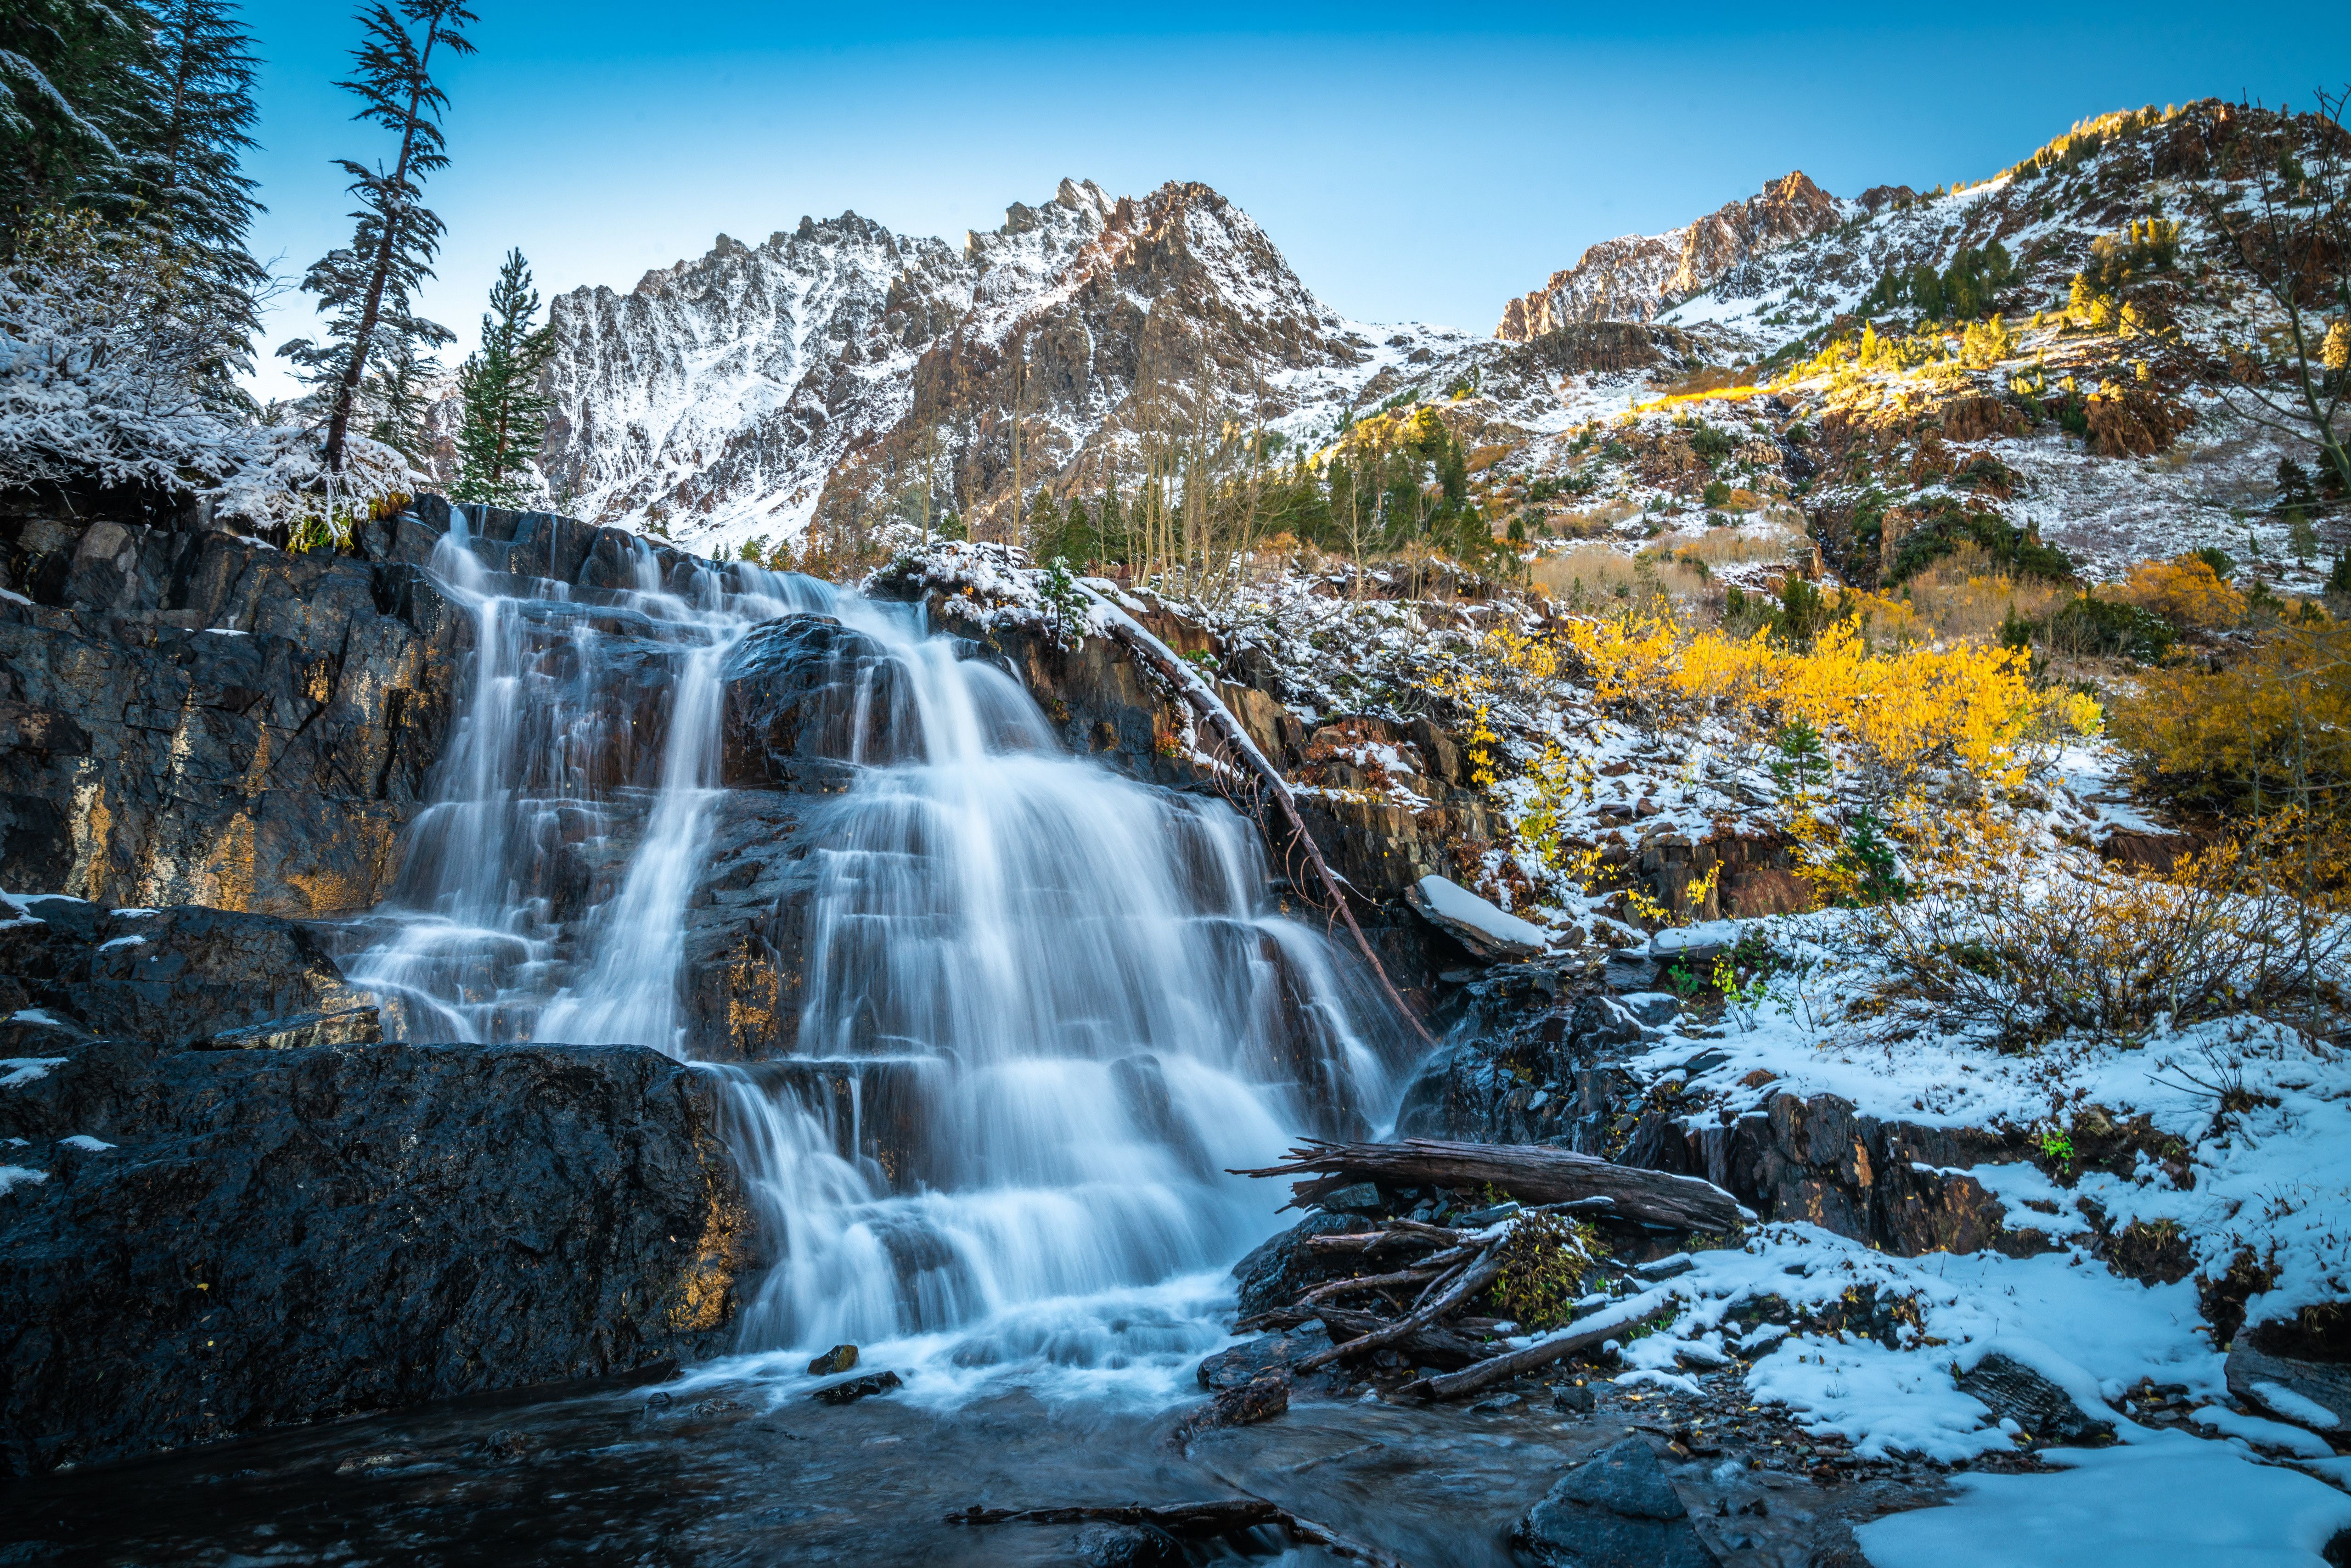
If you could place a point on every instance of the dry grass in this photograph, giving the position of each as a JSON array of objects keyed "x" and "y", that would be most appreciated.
[
  {"x": 1964, "y": 597},
  {"x": 1733, "y": 547},
  {"x": 1597, "y": 574},
  {"x": 1591, "y": 523}
]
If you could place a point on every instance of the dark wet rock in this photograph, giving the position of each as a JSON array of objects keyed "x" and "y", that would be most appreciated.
[
  {"x": 1575, "y": 1397},
  {"x": 1126, "y": 1546},
  {"x": 195, "y": 718},
  {"x": 878, "y": 1110},
  {"x": 2012, "y": 1391},
  {"x": 1266, "y": 1354},
  {"x": 1360, "y": 1197},
  {"x": 805, "y": 697},
  {"x": 746, "y": 927},
  {"x": 1282, "y": 1269},
  {"x": 1616, "y": 1510},
  {"x": 1261, "y": 1398},
  {"x": 840, "y": 1358},
  {"x": 1143, "y": 1092},
  {"x": 286, "y": 1236},
  {"x": 1818, "y": 1160},
  {"x": 175, "y": 977},
  {"x": 857, "y": 1388},
  {"x": 352, "y": 1026}
]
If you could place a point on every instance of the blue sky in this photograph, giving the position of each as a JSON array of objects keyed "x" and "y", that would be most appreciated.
[{"x": 1413, "y": 162}]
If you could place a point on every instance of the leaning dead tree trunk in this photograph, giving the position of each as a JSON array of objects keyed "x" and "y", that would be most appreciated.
[
  {"x": 1530, "y": 1172},
  {"x": 1610, "y": 1322},
  {"x": 1129, "y": 633}
]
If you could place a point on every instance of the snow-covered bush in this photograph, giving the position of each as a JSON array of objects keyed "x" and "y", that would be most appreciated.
[
  {"x": 103, "y": 342},
  {"x": 106, "y": 338}
]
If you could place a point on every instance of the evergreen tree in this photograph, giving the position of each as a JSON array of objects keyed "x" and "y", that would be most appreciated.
[
  {"x": 201, "y": 93},
  {"x": 397, "y": 397},
  {"x": 1079, "y": 542},
  {"x": 505, "y": 412},
  {"x": 2301, "y": 539},
  {"x": 1041, "y": 534},
  {"x": 1112, "y": 527},
  {"x": 72, "y": 112},
  {"x": 365, "y": 285}
]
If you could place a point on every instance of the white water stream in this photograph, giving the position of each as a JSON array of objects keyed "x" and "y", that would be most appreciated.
[{"x": 1073, "y": 983}]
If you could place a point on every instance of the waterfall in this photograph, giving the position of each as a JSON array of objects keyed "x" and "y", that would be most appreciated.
[{"x": 1065, "y": 990}]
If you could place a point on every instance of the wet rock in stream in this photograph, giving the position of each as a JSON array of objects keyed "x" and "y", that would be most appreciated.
[{"x": 1616, "y": 1510}]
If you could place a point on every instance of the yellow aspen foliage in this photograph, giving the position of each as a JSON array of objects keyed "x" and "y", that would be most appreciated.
[
  {"x": 1900, "y": 714},
  {"x": 2334, "y": 353},
  {"x": 2184, "y": 591}
]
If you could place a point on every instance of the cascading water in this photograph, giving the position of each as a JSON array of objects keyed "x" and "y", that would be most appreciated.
[{"x": 1071, "y": 984}]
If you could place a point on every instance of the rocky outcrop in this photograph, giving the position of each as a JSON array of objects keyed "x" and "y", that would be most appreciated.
[
  {"x": 1898, "y": 1184},
  {"x": 1635, "y": 277},
  {"x": 195, "y": 718},
  {"x": 207, "y": 1243},
  {"x": 73, "y": 970}
]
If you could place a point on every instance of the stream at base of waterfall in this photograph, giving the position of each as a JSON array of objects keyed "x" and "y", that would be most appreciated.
[{"x": 1078, "y": 979}]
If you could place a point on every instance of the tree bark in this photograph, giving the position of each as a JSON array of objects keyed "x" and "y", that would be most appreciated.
[
  {"x": 1527, "y": 1171},
  {"x": 1605, "y": 1324}
]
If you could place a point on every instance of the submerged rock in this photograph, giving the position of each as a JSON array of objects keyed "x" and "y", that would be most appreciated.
[
  {"x": 1126, "y": 1546},
  {"x": 238, "y": 1239},
  {"x": 1616, "y": 1510},
  {"x": 858, "y": 1389}
]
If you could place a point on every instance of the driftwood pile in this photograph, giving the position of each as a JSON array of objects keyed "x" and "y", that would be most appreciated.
[{"x": 1429, "y": 1275}]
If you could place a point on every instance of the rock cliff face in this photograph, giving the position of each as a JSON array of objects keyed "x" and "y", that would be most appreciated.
[
  {"x": 1635, "y": 278},
  {"x": 193, "y": 717},
  {"x": 206, "y": 1243},
  {"x": 841, "y": 365}
]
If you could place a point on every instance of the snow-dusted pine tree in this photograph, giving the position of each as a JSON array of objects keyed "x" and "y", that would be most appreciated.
[
  {"x": 505, "y": 412},
  {"x": 365, "y": 287},
  {"x": 200, "y": 97}
]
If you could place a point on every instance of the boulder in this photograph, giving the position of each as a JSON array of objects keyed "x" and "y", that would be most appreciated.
[
  {"x": 1616, "y": 1510},
  {"x": 2313, "y": 1394},
  {"x": 806, "y": 695},
  {"x": 1271, "y": 1353},
  {"x": 211, "y": 1243},
  {"x": 1126, "y": 1546},
  {"x": 1282, "y": 1269},
  {"x": 1487, "y": 931},
  {"x": 2012, "y": 1391}
]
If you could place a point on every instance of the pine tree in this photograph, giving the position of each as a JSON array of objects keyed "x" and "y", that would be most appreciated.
[
  {"x": 1041, "y": 533},
  {"x": 72, "y": 108},
  {"x": 365, "y": 287},
  {"x": 505, "y": 412},
  {"x": 201, "y": 94},
  {"x": 2301, "y": 539},
  {"x": 1112, "y": 527},
  {"x": 397, "y": 396},
  {"x": 1078, "y": 541}
]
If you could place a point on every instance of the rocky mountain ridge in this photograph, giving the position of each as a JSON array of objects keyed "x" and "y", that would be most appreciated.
[
  {"x": 843, "y": 364},
  {"x": 1634, "y": 277}
]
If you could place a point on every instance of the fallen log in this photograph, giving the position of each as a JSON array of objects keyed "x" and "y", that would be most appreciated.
[
  {"x": 1472, "y": 1279},
  {"x": 1129, "y": 632},
  {"x": 1438, "y": 1344},
  {"x": 1191, "y": 1521},
  {"x": 1531, "y": 1171},
  {"x": 1603, "y": 1325},
  {"x": 1363, "y": 1283}
]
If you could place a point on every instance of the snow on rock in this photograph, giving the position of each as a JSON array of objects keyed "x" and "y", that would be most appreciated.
[{"x": 1480, "y": 926}]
